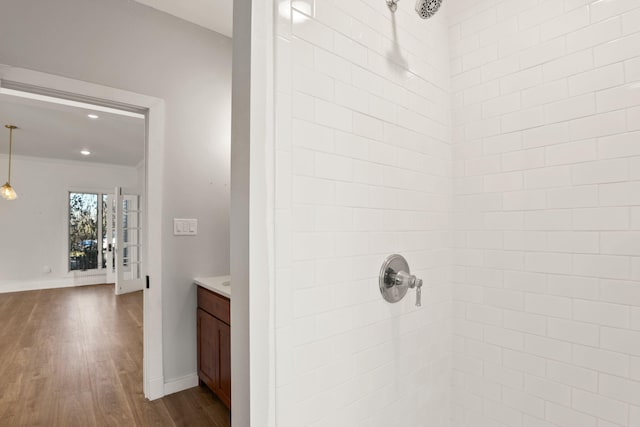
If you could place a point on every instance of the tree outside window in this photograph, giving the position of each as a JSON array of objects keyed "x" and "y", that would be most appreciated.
[{"x": 83, "y": 231}]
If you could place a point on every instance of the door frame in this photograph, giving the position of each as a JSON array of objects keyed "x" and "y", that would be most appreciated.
[
  {"x": 253, "y": 169},
  {"x": 13, "y": 78}
]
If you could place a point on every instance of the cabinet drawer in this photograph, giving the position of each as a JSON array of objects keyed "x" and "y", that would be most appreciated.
[{"x": 214, "y": 304}]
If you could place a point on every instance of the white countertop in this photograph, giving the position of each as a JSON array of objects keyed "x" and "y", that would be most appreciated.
[{"x": 216, "y": 284}]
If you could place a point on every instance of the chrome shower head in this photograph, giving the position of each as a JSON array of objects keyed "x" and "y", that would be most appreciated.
[{"x": 427, "y": 8}]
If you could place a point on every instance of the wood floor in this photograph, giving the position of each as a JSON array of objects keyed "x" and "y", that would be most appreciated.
[{"x": 73, "y": 357}]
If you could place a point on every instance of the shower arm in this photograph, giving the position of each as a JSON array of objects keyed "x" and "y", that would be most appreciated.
[{"x": 393, "y": 5}]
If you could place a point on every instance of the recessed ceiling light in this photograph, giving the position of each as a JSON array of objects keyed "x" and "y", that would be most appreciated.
[
  {"x": 85, "y": 152},
  {"x": 92, "y": 116}
]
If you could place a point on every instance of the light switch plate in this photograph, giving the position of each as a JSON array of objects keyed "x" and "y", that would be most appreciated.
[{"x": 185, "y": 226}]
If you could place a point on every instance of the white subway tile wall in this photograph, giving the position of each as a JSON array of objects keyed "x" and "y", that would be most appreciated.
[
  {"x": 363, "y": 170},
  {"x": 546, "y": 112}
]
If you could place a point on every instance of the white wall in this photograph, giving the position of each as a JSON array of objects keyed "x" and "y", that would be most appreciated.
[
  {"x": 252, "y": 214},
  {"x": 547, "y": 141},
  {"x": 34, "y": 227},
  {"x": 123, "y": 44},
  {"x": 363, "y": 170}
]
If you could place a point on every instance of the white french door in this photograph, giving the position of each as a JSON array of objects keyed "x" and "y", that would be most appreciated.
[
  {"x": 124, "y": 232},
  {"x": 110, "y": 235}
]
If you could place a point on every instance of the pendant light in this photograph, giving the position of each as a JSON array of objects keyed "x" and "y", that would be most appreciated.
[{"x": 6, "y": 191}]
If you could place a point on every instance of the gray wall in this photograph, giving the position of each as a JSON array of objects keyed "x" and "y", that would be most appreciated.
[{"x": 123, "y": 44}]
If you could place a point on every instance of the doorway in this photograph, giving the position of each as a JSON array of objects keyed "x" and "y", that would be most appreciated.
[
  {"x": 67, "y": 158},
  {"x": 32, "y": 84}
]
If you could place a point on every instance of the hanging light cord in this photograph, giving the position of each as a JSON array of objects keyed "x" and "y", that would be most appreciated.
[{"x": 11, "y": 128}]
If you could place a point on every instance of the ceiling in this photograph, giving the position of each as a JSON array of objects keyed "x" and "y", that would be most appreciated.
[
  {"x": 56, "y": 131},
  {"x": 216, "y": 15}
]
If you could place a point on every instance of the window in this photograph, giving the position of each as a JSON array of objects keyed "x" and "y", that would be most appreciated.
[
  {"x": 87, "y": 234},
  {"x": 83, "y": 231}
]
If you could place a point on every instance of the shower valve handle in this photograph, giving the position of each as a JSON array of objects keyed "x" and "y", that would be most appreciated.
[
  {"x": 411, "y": 281},
  {"x": 418, "y": 285},
  {"x": 396, "y": 279}
]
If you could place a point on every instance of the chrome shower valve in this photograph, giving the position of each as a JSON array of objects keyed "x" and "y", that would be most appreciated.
[{"x": 396, "y": 278}]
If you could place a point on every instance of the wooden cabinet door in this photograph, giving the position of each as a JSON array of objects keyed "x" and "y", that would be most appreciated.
[
  {"x": 208, "y": 354},
  {"x": 224, "y": 335},
  {"x": 214, "y": 344}
]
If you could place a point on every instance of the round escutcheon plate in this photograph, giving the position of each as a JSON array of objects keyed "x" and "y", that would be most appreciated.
[{"x": 389, "y": 288}]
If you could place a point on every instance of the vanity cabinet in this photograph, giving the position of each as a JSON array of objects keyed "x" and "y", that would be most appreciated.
[{"x": 214, "y": 343}]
